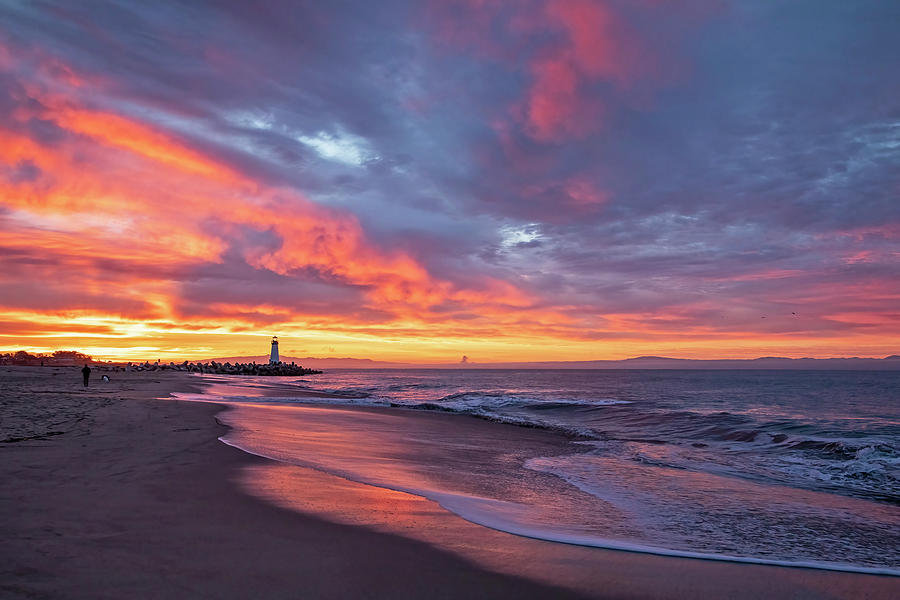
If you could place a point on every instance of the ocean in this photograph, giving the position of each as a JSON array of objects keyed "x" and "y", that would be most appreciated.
[{"x": 776, "y": 467}]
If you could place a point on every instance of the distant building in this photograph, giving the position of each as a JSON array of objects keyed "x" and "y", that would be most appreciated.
[{"x": 273, "y": 358}]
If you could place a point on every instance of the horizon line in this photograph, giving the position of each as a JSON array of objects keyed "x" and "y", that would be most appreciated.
[{"x": 463, "y": 363}]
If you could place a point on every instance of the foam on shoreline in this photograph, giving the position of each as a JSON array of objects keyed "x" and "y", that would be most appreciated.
[
  {"x": 512, "y": 517},
  {"x": 471, "y": 508}
]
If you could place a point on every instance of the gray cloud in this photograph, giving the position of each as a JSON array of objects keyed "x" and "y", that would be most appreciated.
[{"x": 766, "y": 131}]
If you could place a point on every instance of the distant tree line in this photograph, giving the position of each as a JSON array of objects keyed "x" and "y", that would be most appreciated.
[{"x": 58, "y": 358}]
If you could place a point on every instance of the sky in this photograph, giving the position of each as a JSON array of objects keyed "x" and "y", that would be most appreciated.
[{"x": 422, "y": 180}]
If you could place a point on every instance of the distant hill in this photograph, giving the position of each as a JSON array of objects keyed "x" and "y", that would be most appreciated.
[{"x": 889, "y": 363}]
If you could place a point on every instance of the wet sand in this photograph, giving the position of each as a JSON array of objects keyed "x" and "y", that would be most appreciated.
[{"x": 109, "y": 493}]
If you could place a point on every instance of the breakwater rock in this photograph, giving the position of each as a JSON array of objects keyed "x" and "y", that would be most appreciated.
[{"x": 265, "y": 369}]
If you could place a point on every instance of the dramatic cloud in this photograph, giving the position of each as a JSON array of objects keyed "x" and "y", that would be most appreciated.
[{"x": 565, "y": 179}]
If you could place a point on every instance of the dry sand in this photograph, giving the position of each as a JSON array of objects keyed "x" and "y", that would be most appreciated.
[{"x": 109, "y": 493}]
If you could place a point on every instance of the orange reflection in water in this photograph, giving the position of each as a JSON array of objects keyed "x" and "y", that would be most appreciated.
[{"x": 590, "y": 571}]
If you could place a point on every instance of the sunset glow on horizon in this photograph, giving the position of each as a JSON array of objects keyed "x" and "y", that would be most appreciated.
[{"x": 406, "y": 181}]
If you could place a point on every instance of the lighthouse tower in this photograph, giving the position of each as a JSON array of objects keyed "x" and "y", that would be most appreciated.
[{"x": 273, "y": 359}]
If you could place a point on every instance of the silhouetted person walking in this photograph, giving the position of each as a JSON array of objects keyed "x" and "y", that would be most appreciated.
[{"x": 86, "y": 371}]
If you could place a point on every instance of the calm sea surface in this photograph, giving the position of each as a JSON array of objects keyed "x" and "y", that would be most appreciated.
[{"x": 764, "y": 466}]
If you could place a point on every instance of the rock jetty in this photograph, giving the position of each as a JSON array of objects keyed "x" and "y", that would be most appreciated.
[{"x": 271, "y": 369}]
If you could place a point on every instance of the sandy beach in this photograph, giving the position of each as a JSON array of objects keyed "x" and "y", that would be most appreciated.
[{"x": 111, "y": 492}]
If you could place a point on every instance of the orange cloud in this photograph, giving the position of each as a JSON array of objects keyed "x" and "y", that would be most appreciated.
[{"x": 112, "y": 187}]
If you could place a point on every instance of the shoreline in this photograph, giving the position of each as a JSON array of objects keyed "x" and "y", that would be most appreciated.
[
  {"x": 570, "y": 563},
  {"x": 139, "y": 498},
  {"x": 574, "y": 540}
]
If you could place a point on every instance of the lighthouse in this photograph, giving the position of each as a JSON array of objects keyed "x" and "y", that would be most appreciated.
[{"x": 273, "y": 358}]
